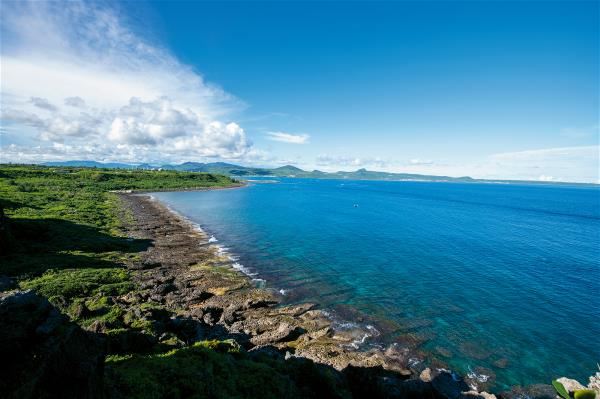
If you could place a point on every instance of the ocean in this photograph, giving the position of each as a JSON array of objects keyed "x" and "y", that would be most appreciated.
[{"x": 499, "y": 280}]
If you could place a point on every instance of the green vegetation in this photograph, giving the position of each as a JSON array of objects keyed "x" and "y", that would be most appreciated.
[
  {"x": 577, "y": 394},
  {"x": 560, "y": 389},
  {"x": 219, "y": 369},
  {"x": 69, "y": 218},
  {"x": 76, "y": 283},
  {"x": 584, "y": 394}
]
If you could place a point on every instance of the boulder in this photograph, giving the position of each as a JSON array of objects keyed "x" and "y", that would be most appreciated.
[
  {"x": 477, "y": 395},
  {"x": 285, "y": 332},
  {"x": 425, "y": 375},
  {"x": 569, "y": 384}
]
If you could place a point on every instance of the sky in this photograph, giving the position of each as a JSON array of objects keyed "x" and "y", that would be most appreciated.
[{"x": 488, "y": 89}]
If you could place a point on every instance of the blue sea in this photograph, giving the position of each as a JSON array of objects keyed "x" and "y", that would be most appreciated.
[{"x": 498, "y": 279}]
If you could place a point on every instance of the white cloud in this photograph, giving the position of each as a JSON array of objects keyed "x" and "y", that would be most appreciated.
[
  {"x": 417, "y": 161},
  {"x": 566, "y": 164},
  {"x": 336, "y": 162},
  {"x": 122, "y": 96},
  {"x": 288, "y": 137},
  {"x": 576, "y": 164}
]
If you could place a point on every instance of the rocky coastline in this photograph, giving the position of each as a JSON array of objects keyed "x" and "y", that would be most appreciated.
[
  {"x": 185, "y": 290},
  {"x": 183, "y": 271}
]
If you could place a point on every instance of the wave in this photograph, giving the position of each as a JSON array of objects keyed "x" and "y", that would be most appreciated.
[
  {"x": 473, "y": 376},
  {"x": 221, "y": 250},
  {"x": 361, "y": 332}
]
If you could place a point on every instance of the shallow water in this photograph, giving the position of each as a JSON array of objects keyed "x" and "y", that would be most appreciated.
[{"x": 493, "y": 278}]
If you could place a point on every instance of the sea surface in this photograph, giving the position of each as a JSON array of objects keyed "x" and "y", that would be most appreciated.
[{"x": 501, "y": 280}]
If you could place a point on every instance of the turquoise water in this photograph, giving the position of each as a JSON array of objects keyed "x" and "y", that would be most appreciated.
[{"x": 498, "y": 279}]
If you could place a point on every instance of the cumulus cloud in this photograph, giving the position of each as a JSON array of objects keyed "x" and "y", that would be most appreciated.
[
  {"x": 140, "y": 101},
  {"x": 288, "y": 137}
]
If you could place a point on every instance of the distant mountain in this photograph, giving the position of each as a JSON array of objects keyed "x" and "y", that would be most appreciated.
[
  {"x": 94, "y": 164},
  {"x": 282, "y": 171},
  {"x": 218, "y": 167},
  {"x": 288, "y": 170}
]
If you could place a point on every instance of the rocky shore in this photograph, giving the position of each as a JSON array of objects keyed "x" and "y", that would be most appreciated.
[
  {"x": 184, "y": 272},
  {"x": 181, "y": 290}
]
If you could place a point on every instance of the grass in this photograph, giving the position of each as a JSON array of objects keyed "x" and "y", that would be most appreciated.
[
  {"x": 219, "y": 369},
  {"x": 69, "y": 218},
  {"x": 78, "y": 283}
]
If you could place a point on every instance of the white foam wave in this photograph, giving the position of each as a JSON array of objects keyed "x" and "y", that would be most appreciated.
[
  {"x": 221, "y": 250},
  {"x": 375, "y": 332},
  {"x": 346, "y": 325},
  {"x": 477, "y": 377},
  {"x": 282, "y": 291},
  {"x": 413, "y": 361},
  {"x": 243, "y": 269}
]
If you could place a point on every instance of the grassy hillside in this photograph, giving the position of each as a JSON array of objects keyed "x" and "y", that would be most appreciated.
[{"x": 61, "y": 217}]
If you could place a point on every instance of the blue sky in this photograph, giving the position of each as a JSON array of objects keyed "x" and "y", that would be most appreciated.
[{"x": 487, "y": 89}]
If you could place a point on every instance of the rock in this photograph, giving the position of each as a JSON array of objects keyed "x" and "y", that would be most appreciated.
[
  {"x": 425, "y": 375},
  {"x": 80, "y": 311},
  {"x": 187, "y": 329},
  {"x": 569, "y": 384},
  {"x": 48, "y": 355},
  {"x": 128, "y": 341},
  {"x": 535, "y": 391},
  {"x": 98, "y": 326},
  {"x": 595, "y": 383},
  {"x": 163, "y": 289},
  {"x": 285, "y": 332},
  {"x": 295, "y": 310},
  {"x": 150, "y": 264},
  {"x": 476, "y": 395}
]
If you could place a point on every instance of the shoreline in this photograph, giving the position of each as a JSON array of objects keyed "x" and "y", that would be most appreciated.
[
  {"x": 240, "y": 184},
  {"x": 230, "y": 304}
]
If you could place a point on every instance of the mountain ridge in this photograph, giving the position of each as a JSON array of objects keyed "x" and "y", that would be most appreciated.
[{"x": 239, "y": 171}]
